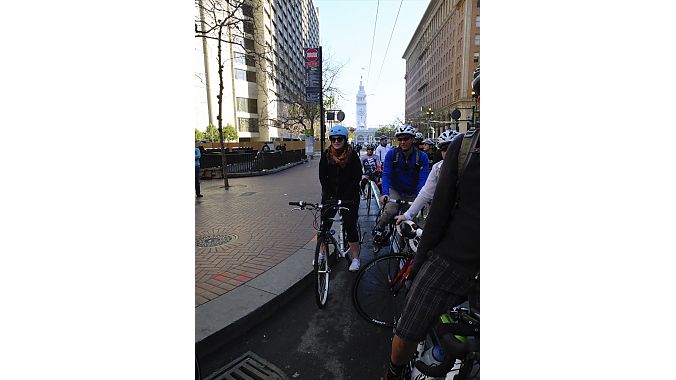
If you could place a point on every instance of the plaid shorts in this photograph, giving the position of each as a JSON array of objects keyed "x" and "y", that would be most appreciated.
[{"x": 436, "y": 288}]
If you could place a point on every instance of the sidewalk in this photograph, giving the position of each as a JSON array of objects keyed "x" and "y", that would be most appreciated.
[{"x": 252, "y": 252}]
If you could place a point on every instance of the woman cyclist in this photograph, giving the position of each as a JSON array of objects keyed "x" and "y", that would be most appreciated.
[
  {"x": 427, "y": 192},
  {"x": 339, "y": 174}
]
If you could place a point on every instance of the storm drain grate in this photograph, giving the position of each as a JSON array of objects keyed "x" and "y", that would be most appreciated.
[
  {"x": 249, "y": 367},
  {"x": 247, "y": 193},
  {"x": 213, "y": 240}
]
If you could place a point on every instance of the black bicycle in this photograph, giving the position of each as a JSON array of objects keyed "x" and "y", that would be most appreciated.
[
  {"x": 380, "y": 289},
  {"x": 328, "y": 249}
]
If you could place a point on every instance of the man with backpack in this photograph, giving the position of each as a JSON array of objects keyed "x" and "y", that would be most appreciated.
[
  {"x": 405, "y": 171},
  {"x": 446, "y": 266}
]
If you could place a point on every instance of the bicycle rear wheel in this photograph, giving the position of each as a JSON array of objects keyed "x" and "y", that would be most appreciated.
[
  {"x": 368, "y": 198},
  {"x": 378, "y": 293},
  {"x": 322, "y": 270}
]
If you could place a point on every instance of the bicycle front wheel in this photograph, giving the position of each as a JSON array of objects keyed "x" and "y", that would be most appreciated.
[
  {"x": 321, "y": 268},
  {"x": 368, "y": 199},
  {"x": 378, "y": 293}
]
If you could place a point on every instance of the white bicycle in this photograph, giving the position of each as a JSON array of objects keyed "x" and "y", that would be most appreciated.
[{"x": 329, "y": 248}]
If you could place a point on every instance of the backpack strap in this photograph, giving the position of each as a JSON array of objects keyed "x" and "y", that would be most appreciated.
[{"x": 468, "y": 147}]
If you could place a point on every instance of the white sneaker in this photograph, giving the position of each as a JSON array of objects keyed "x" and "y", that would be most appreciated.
[{"x": 355, "y": 265}]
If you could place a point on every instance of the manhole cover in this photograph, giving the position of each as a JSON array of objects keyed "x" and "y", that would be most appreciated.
[
  {"x": 249, "y": 367},
  {"x": 213, "y": 240}
]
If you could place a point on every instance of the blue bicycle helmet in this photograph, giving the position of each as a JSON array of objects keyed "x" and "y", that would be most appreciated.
[{"x": 338, "y": 130}]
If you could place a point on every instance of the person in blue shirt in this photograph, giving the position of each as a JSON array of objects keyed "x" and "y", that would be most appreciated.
[
  {"x": 198, "y": 156},
  {"x": 402, "y": 179}
]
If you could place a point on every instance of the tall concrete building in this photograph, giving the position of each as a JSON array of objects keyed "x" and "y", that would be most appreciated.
[
  {"x": 262, "y": 66},
  {"x": 440, "y": 59}
]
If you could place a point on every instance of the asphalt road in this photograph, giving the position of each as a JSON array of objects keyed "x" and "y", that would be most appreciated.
[{"x": 308, "y": 343}]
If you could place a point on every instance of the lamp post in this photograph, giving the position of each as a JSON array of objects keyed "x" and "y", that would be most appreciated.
[{"x": 429, "y": 114}]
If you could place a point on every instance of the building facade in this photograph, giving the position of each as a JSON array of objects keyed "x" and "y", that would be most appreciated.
[
  {"x": 440, "y": 59},
  {"x": 262, "y": 67}
]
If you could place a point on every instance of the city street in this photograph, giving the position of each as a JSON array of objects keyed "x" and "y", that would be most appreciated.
[{"x": 305, "y": 342}]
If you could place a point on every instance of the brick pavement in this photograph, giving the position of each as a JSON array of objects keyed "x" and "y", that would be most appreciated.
[{"x": 256, "y": 210}]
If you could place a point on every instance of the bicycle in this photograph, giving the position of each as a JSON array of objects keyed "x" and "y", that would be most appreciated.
[
  {"x": 380, "y": 289},
  {"x": 334, "y": 249},
  {"x": 451, "y": 347},
  {"x": 369, "y": 193},
  {"x": 395, "y": 241}
]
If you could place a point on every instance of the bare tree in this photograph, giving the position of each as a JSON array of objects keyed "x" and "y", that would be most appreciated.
[{"x": 298, "y": 116}]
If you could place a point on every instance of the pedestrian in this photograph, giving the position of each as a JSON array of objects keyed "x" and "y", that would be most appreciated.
[
  {"x": 340, "y": 174},
  {"x": 283, "y": 148},
  {"x": 265, "y": 148},
  {"x": 405, "y": 170},
  {"x": 198, "y": 157},
  {"x": 446, "y": 265}
]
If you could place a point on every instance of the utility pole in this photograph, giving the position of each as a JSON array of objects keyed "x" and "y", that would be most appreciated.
[{"x": 206, "y": 62}]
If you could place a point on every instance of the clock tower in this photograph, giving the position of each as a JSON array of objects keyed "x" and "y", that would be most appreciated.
[{"x": 361, "y": 106}]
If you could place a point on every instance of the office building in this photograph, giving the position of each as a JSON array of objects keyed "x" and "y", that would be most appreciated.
[
  {"x": 261, "y": 67},
  {"x": 440, "y": 59}
]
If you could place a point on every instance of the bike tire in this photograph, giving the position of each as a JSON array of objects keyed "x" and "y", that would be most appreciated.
[
  {"x": 368, "y": 199},
  {"x": 372, "y": 294},
  {"x": 322, "y": 272}
]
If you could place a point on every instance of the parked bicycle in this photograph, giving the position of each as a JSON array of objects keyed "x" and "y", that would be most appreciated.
[
  {"x": 380, "y": 289},
  {"x": 329, "y": 248}
]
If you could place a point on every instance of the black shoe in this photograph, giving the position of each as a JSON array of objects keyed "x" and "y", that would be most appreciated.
[{"x": 199, "y": 195}]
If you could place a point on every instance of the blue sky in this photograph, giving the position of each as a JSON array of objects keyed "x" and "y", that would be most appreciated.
[{"x": 346, "y": 33}]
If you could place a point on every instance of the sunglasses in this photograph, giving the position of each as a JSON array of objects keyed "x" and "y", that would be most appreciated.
[
  {"x": 403, "y": 139},
  {"x": 337, "y": 139}
]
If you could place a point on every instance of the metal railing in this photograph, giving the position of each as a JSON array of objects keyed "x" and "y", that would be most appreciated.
[{"x": 251, "y": 162}]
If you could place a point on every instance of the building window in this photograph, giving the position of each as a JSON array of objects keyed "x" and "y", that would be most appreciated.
[
  {"x": 249, "y": 76},
  {"x": 244, "y": 59},
  {"x": 477, "y": 21},
  {"x": 476, "y": 40},
  {"x": 247, "y": 105},
  {"x": 249, "y": 27},
  {"x": 249, "y": 44},
  {"x": 246, "y": 124},
  {"x": 476, "y": 57},
  {"x": 247, "y": 10}
]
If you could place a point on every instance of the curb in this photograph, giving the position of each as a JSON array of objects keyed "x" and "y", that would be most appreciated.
[
  {"x": 248, "y": 174},
  {"x": 238, "y": 311}
]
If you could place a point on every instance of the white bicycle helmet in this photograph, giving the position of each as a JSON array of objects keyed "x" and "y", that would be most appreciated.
[
  {"x": 405, "y": 130},
  {"x": 446, "y": 137},
  {"x": 419, "y": 136},
  {"x": 428, "y": 141}
]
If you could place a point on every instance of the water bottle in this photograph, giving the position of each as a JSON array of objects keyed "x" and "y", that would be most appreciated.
[{"x": 431, "y": 354}]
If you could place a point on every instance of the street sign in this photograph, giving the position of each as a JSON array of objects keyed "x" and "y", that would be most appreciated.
[
  {"x": 311, "y": 54},
  {"x": 313, "y": 75}
]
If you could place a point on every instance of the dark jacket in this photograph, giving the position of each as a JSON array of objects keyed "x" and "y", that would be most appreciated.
[
  {"x": 340, "y": 183},
  {"x": 454, "y": 238}
]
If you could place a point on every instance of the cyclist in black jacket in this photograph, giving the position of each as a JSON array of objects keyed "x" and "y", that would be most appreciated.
[
  {"x": 340, "y": 174},
  {"x": 448, "y": 252}
]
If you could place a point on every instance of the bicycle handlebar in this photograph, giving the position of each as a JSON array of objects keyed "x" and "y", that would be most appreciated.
[{"x": 331, "y": 203}]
